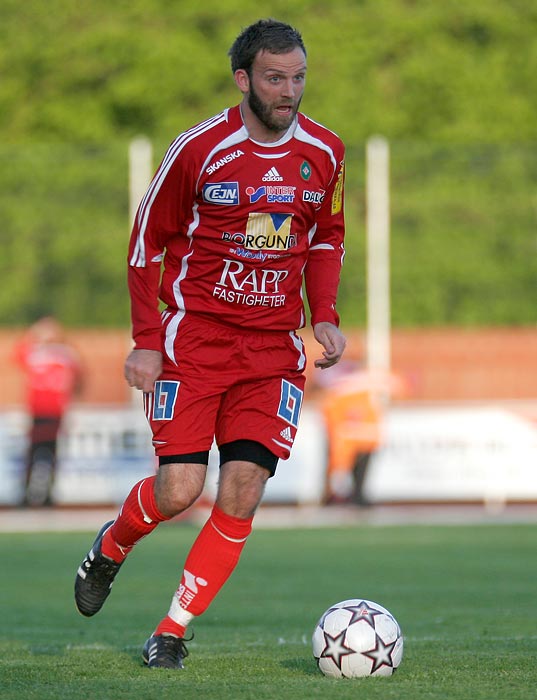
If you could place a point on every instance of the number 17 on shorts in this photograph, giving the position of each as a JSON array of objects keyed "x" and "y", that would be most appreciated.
[{"x": 290, "y": 403}]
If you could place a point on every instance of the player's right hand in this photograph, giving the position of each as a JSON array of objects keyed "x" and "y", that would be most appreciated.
[{"x": 143, "y": 368}]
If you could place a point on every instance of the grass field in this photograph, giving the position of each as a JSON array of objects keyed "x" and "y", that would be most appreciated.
[{"x": 465, "y": 597}]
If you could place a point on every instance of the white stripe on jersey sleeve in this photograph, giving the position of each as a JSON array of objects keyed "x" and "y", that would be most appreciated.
[
  {"x": 138, "y": 258},
  {"x": 232, "y": 140}
]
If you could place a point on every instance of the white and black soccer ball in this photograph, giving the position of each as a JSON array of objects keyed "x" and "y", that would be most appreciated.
[{"x": 357, "y": 638}]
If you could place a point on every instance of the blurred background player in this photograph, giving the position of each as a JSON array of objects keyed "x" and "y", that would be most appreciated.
[
  {"x": 352, "y": 411},
  {"x": 353, "y": 403},
  {"x": 53, "y": 376}
]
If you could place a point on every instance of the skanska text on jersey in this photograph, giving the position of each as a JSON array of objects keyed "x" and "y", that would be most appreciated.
[{"x": 222, "y": 161}]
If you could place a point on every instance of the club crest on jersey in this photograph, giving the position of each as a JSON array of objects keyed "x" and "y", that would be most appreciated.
[
  {"x": 221, "y": 193},
  {"x": 305, "y": 170}
]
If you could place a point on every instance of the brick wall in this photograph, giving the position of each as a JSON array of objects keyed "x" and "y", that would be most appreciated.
[{"x": 437, "y": 364}]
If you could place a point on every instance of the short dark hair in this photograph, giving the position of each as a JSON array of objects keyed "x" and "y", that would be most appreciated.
[{"x": 264, "y": 35}]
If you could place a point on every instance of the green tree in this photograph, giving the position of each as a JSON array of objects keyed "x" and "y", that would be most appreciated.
[{"x": 450, "y": 84}]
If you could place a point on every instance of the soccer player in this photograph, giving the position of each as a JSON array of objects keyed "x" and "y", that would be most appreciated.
[
  {"x": 53, "y": 374},
  {"x": 242, "y": 209}
]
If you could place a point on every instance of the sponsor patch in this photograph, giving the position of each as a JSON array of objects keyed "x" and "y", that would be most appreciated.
[
  {"x": 269, "y": 232},
  {"x": 273, "y": 193},
  {"x": 314, "y": 197},
  {"x": 222, "y": 161},
  {"x": 337, "y": 196},
  {"x": 240, "y": 284},
  {"x": 226, "y": 193}
]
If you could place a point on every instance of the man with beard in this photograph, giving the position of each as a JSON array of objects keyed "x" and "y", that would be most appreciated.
[{"x": 244, "y": 207}]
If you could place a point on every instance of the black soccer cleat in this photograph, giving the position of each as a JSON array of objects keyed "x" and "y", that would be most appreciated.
[
  {"x": 164, "y": 651},
  {"x": 94, "y": 577}
]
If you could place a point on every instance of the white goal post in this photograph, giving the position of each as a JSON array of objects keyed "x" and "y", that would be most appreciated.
[
  {"x": 140, "y": 172},
  {"x": 378, "y": 341}
]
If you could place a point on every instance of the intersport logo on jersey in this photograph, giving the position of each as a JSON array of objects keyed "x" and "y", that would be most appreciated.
[{"x": 273, "y": 193}]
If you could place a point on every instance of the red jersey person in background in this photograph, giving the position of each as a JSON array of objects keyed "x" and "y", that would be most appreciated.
[
  {"x": 244, "y": 208},
  {"x": 53, "y": 375}
]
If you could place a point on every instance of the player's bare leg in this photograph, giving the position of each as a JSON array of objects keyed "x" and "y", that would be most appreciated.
[
  {"x": 211, "y": 560},
  {"x": 241, "y": 488},
  {"x": 151, "y": 501},
  {"x": 178, "y": 486}
]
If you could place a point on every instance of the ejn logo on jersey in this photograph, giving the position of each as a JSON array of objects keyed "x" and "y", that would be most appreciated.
[{"x": 226, "y": 193}]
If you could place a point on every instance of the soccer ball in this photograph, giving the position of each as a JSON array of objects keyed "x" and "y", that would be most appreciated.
[{"x": 357, "y": 638}]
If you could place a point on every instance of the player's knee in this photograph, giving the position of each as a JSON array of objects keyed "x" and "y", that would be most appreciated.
[
  {"x": 178, "y": 485},
  {"x": 176, "y": 502}
]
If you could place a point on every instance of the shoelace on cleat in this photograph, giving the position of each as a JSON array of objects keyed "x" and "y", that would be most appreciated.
[
  {"x": 170, "y": 650},
  {"x": 103, "y": 571}
]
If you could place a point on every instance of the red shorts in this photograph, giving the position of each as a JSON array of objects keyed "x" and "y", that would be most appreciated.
[{"x": 227, "y": 384}]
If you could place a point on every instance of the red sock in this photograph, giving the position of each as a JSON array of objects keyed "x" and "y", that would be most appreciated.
[
  {"x": 138, "y": 517},
  {"x": 213, "y": 556}
]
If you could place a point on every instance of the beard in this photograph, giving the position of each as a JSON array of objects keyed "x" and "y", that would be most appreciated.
[{"x": 263, "y": 111}]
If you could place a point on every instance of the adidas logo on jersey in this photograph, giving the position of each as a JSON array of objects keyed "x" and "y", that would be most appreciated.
[
  {"x": 287, "y": 435},
  {"x": 272, "y": 176}
]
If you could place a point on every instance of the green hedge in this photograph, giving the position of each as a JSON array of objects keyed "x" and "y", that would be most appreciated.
[{"x": 448, "y": 83}]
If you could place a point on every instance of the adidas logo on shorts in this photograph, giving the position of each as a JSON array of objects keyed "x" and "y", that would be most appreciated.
[{"x": 287, "y": 435}]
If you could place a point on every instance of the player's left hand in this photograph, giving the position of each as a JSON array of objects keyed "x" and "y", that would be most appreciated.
[{"x": 333, "y": 342}]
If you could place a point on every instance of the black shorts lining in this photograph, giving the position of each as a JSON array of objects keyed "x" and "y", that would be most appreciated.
[
  {"x": 249, "y": 451},
  {"x": 188, "y": 458}
]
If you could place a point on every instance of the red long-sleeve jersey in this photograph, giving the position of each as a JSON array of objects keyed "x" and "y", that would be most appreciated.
[
  {"x": 236, "y": 225},
  {"x": 53, "y": 373}
]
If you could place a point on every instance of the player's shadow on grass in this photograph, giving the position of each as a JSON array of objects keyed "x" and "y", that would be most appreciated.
[{"x": 304, "y": 666}]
